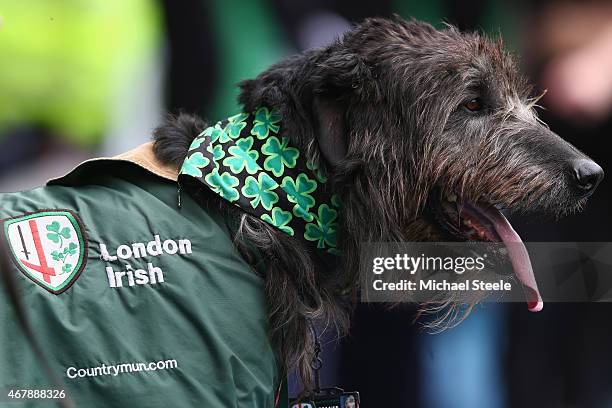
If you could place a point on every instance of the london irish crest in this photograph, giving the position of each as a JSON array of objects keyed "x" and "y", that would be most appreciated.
[{"x": 48, "y": 246}]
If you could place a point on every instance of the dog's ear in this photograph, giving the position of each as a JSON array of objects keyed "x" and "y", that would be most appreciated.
[
  {"x": 331, "y": 135},
  {"x": 339, "y": 79}
]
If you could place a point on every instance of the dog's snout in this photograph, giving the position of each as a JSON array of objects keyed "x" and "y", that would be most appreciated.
[{"x": 588, "y": 175}]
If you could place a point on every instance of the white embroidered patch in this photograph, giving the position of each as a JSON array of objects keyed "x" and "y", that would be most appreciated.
[{"x": 49, "y": 247}]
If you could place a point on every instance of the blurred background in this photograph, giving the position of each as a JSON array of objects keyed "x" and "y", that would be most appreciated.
[{"x": 84, "y": 78}]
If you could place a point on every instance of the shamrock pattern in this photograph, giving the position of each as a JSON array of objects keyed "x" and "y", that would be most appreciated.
[
  {"x": 216, "y": 133},
  {"x": 250, "y": 163},
  {"x": 265, "y": 122},
  {"x": 196, "y": 142},
  {"x": 235, "y": 125},
  {"x": 224, "y": 184},
  {"x": 217, "y": 152},
  {"x": 279, "y": 155},
  {"x": 261, "y": 190},
  {"x": 280, "y": 219},
  {"x": 323, "y": 231},
  {"x": 298, "y": 192},
  {"x": 242, "y": 157},
  {"x": 194, "y": 164}
]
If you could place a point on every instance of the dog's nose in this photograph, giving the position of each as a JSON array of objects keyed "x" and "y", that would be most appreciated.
[{"x": 588, "y": 175}]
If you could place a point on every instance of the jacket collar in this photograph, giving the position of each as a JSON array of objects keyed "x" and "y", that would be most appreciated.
[{"x": 142, "y": 156}]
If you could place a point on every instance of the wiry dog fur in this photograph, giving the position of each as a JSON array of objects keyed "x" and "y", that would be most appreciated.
[{"x": 383, "y": 113}]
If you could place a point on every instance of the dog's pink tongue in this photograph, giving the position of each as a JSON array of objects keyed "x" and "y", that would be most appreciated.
[{"x": 518, "y": 256}]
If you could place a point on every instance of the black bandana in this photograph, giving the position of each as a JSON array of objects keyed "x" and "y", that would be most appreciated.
[{"x": 244, "y": 160}]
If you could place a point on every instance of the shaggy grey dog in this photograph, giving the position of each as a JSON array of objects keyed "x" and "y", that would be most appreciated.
[{"x": 420, "y": 131}]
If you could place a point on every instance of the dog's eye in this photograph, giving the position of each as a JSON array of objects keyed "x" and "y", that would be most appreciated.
[{"x": 474, "y": 105}]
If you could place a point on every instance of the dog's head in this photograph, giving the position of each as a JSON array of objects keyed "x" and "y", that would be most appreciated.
[{"x": 428, "y": 134}]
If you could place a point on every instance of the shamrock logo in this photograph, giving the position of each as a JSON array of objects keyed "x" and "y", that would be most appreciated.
[
  {"x": 243, "y": 156},
  {"x": 324, "y": 230},
  {"x": 56, "y": 235},
  {"x": 223, "y": 184},
  {"x": 216, "y": 133},
  {"x": 67, "y": 251},
  {"x": 279, "y": 155},
  {"x": 260, "y": 190},
  {"x": 193, "y": 164},
  {"x": 235, "y": 125},
  {"x": 265, "y": 121},
  {"x": 57, "y": 256},
  {"x": 279, "y": 219},
  {"x": 298, "y": 192},
  {"x": 71, "y": 249}
]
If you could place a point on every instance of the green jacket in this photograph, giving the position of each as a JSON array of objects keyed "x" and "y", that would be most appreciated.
[{"x": 136, "y": 301}]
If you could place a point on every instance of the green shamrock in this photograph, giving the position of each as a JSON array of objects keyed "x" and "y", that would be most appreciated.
[
  {"x": 66, "y": 268},
  {"x": 196, "y": 143},
  {"x": 324, "y": 230},
  {"x": 70, "y": 249},
  {"x": 193, "y": 164},
  {"x": 235, "y": 125},
  {"x": 216, "y": 151},
  {"x": 216, "y": 133},
  {"x": 279, "y": 219},
  {"x": 56, "y": 235},
  {"x": 279, "y": 155},
  {"x": 223, "y": 184},
  {"x": 243, "y": 157},
  {"x": 265, "y": 121},
  {"x": 57, "y": 256},
  {"x": 260, "y": 190},
  {"x": 298, "y": 192}
]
